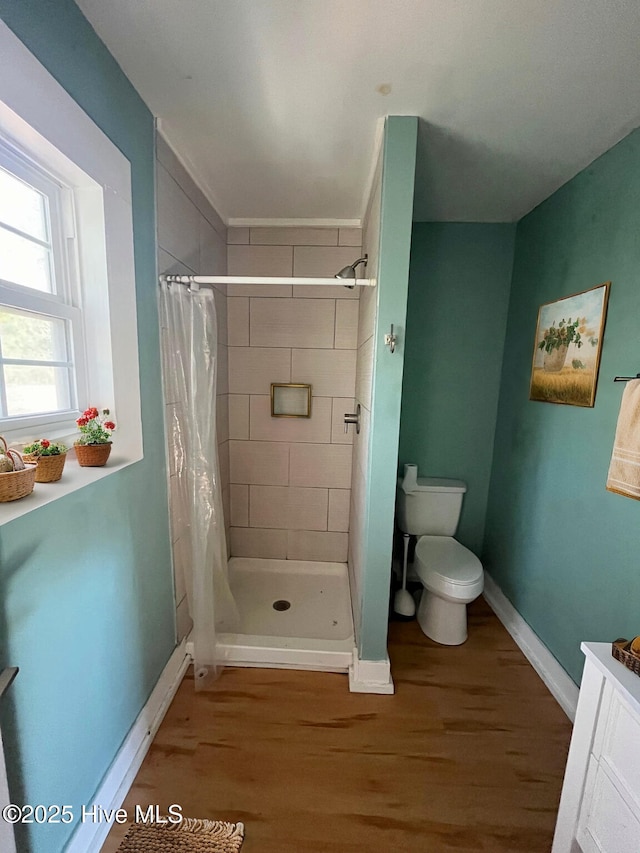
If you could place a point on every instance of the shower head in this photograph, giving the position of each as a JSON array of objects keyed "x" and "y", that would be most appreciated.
[{"x": 350, "y": 271}]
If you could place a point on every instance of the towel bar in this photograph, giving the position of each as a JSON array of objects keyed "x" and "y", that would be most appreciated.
[{"x": 626, "y": 378}]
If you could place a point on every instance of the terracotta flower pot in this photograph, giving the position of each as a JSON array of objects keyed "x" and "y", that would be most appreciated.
[{"x": 92, "y": 455}]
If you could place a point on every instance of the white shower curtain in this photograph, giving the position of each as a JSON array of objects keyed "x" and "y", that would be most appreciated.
[{"x": 189, "y": 353}]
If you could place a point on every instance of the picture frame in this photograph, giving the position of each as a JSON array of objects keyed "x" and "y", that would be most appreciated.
[{"x": 567, "y": 348}]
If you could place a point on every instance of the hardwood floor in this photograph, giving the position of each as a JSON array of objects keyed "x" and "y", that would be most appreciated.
[{"x": 467, "y": 756}]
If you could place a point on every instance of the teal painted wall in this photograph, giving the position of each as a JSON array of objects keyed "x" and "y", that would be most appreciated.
[
  {"x": 398, "y": 177},
  {"x": 459, "y": 284},
  {"x": 86, "y": 593},
  {"x": 563, "y": 549}
]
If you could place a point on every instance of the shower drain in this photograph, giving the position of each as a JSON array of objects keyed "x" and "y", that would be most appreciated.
[{"x": 281, "y": 604}]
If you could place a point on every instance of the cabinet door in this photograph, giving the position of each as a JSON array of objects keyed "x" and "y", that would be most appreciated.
[
  {"x": 608, "y": 821},
  {"x": 620, "y": 746}
]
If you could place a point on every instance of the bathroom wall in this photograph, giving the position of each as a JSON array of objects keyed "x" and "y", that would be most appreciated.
[
  {"x": 381, "y": 371},
  {"x": 459, "y": 284},
  {"x": 364, "y": 371},
  {"x": 291, "y": 477},
  {"x": 86, "y": 590},
  {"x": 562, "y": 548},
  {"x": 192, "y": 240}
]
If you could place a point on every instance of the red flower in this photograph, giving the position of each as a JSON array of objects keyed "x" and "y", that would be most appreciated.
[
  {"x": 83, "y": 421},
  {"x": 91, "y": 413},
  {"x": 109, "y": 425},
  {"x": 45, "y": 442}
]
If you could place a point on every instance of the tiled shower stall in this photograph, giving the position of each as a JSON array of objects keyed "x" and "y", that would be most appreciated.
[{"x": 292, "y": 488}]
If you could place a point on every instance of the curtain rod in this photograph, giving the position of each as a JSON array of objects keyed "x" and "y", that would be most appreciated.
[{"x": 247, "y": 279}]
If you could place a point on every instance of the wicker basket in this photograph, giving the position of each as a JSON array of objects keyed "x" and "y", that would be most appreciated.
[
  {"x": 620, "y": 651},
  {"x": 16, "y": 484},
  {"x": 48, "y": 468},
  {"x": 92, "y": 455}
]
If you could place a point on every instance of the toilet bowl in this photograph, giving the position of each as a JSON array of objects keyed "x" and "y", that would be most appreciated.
[{"x": 452, "y": 576}]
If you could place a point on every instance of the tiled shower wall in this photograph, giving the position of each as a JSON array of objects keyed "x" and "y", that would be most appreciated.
[
  {"x": 291, "y": 478},
  {"x": 192, "y": 239}
]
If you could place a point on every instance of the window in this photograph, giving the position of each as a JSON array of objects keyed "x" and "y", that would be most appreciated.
[
  {"x": 42, "y": 359},
  {"x": 68, "y": 313}
]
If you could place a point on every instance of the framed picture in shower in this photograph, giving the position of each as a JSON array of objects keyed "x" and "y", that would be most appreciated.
[
  {"x": 289, "y": 400},
  {"x": 568, "y": 342}
]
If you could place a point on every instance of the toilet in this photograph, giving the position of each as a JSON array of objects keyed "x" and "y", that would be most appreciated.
[{"x": 452, "y": 577}]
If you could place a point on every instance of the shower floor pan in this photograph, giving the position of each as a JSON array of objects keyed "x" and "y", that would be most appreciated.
[{"x": 294, "y": 614}]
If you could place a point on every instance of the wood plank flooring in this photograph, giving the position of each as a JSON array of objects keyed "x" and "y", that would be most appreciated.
[{"x": 467, "y": 756}]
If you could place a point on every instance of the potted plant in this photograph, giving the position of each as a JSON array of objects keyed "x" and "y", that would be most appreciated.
[
  {"x": 49, "y": 458},
  {"x": 556, "y": 339},
  {"x": 94, "y": 445}
]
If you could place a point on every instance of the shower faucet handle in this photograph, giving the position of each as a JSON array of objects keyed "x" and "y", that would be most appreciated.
[{"x": 353, "y": 418}]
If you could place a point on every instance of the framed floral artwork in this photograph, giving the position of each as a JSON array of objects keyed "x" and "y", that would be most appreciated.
[{"x": 566, "y": 354}]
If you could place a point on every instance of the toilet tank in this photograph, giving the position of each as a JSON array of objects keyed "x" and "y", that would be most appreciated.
[{"x": 432, "y": 508}]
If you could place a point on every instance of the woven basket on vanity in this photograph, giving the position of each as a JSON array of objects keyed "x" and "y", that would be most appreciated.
[{"x": 621, "y": 651}]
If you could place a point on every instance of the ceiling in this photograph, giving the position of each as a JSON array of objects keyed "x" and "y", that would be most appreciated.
[{"x": 273, "y": 105}]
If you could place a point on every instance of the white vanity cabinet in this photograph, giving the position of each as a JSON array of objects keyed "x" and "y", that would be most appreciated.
[{"x": 600, "y": 803}]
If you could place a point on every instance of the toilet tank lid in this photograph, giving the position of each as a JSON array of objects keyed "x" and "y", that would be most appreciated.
[{"x": 440, "y": 484}]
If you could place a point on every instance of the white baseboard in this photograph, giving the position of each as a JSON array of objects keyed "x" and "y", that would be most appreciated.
[
  {"x": 89, "y": 837},
  {"x": 370, "y": 676},
  {"x": 560, "y": 685}
]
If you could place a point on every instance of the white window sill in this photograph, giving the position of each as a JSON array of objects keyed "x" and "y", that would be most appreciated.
[{"x": 73, "y": 478}]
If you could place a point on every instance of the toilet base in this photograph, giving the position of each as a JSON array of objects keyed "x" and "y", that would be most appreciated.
[{"x": 443, "y": 621}]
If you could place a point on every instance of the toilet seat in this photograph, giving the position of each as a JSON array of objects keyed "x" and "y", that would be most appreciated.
[{"x": 448, "y": 568}]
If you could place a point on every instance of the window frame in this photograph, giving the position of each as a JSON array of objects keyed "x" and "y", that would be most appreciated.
[
  {"x": 40, "y": 119},
  {"x": 64, "y": 302},
  {"x": 17, "y": 165}
]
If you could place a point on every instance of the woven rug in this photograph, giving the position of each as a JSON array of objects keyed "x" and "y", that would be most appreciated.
[{"x": 189, "y": 836}]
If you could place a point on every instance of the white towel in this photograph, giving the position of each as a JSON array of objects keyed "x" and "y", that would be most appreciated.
[{"x": 624, "y": 470}]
